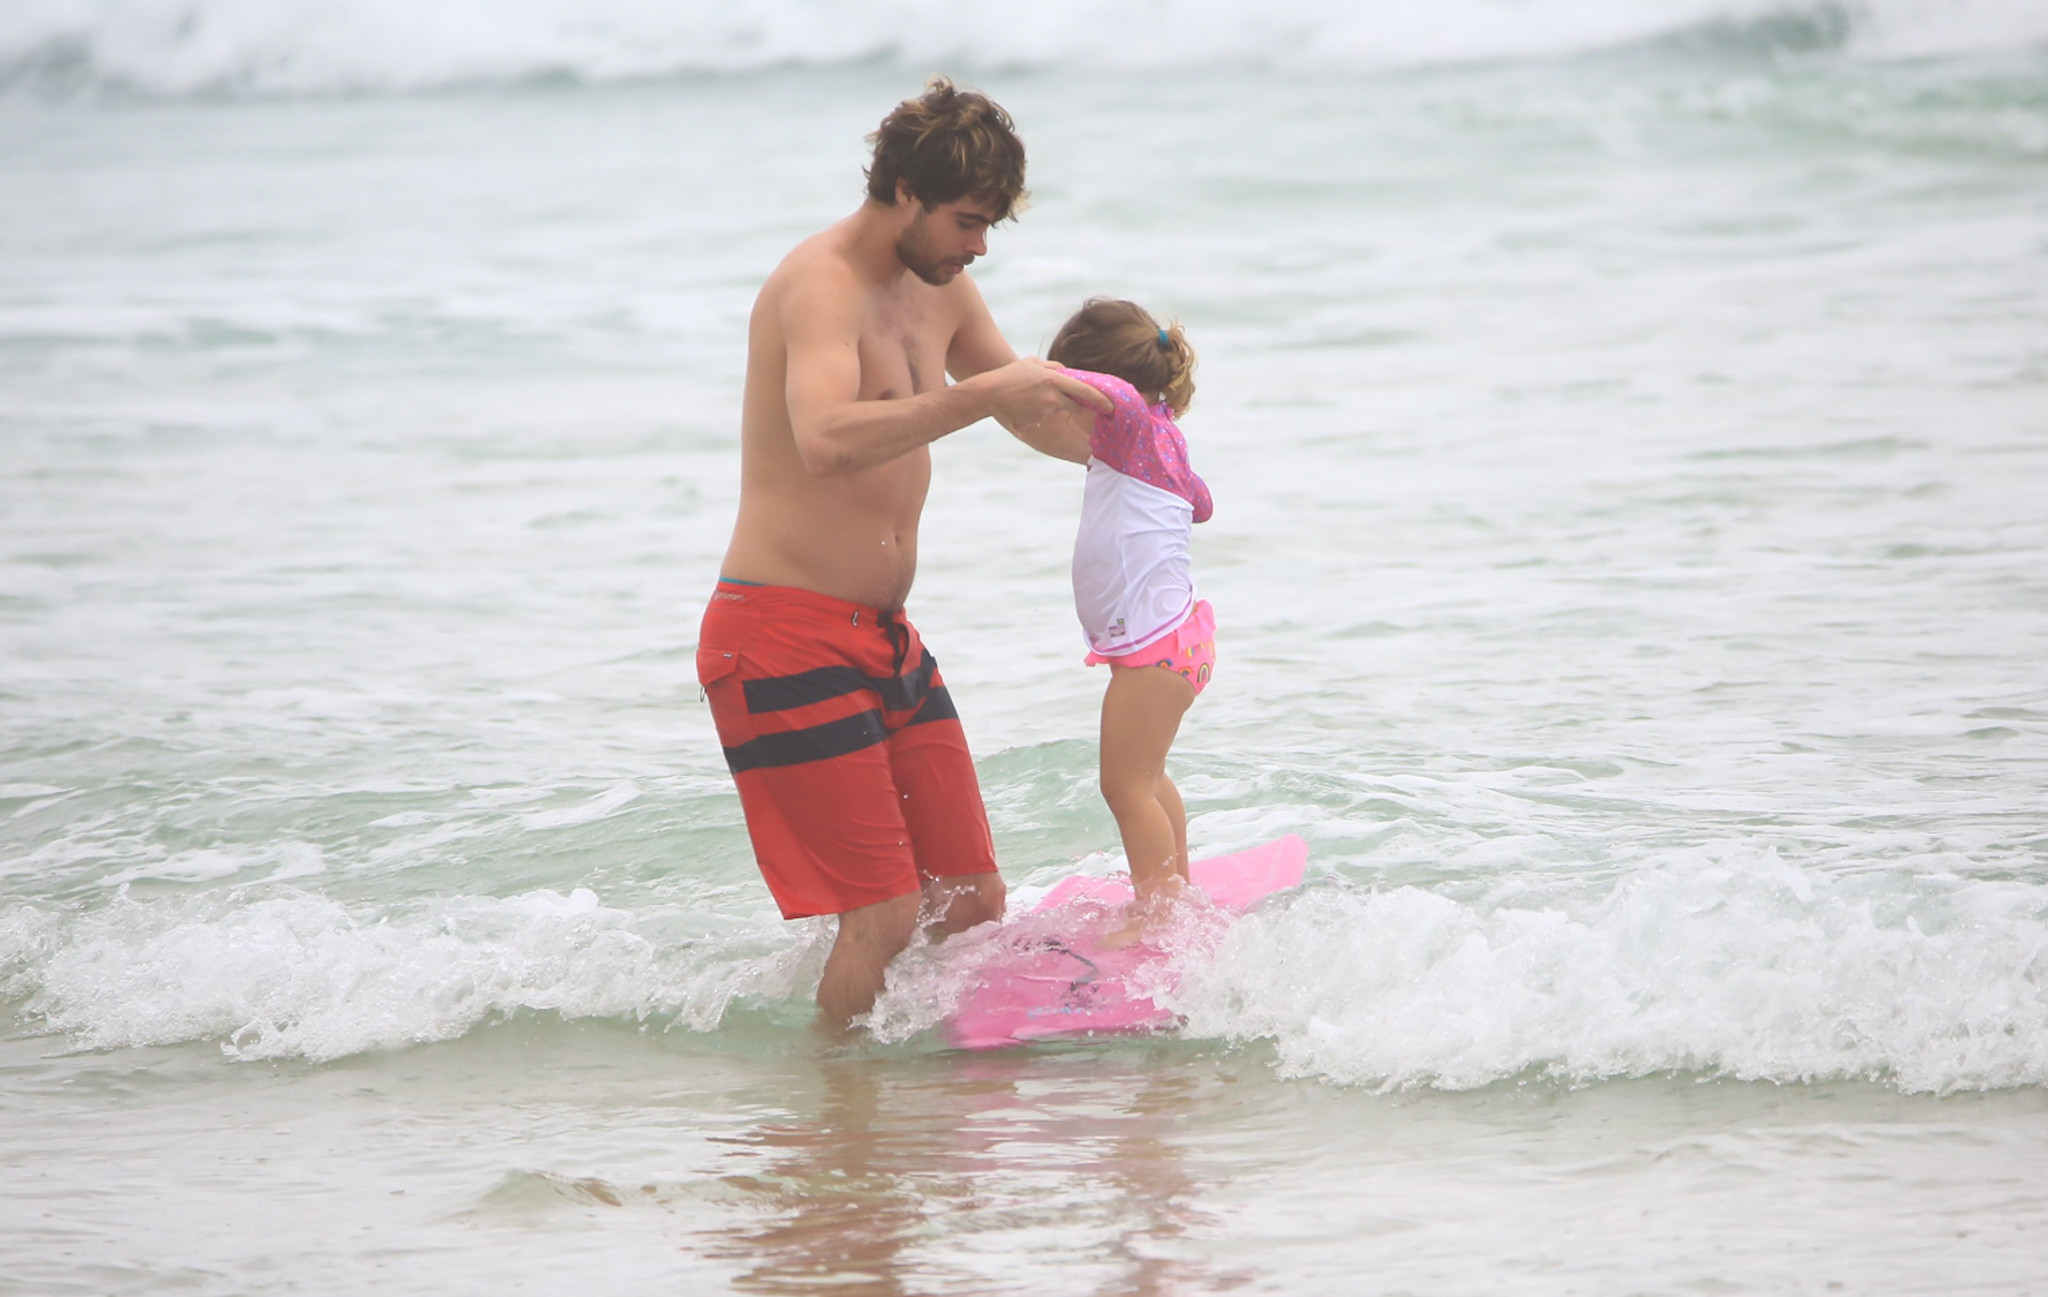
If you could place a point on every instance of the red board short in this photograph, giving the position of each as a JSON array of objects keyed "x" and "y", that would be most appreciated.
[{"x": 852, "y": 767}]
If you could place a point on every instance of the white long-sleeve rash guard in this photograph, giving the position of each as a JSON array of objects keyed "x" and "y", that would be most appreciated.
[{"x": 1132, "y": 582}]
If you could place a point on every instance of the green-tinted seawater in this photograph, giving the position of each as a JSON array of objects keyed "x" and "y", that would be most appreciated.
[{"x": 1628, "y": 558}]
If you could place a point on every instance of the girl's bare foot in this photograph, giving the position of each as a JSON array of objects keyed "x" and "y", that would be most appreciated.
[{"x": 1148, "y": 915}]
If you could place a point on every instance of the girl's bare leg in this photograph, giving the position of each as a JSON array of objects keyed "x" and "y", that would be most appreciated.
[
  {"x": 1169, "y": 797},
  {"x": 1141, "y": 714}
]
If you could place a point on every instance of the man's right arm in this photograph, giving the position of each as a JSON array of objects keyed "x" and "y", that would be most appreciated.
[
  {"x": 836, "y": 432},
  {"x": 1060, "y": 429}
]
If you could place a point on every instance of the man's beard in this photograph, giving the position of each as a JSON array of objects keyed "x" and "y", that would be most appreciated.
[{"x": 918, "y": 258}]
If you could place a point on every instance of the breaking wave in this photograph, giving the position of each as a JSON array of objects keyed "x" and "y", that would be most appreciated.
[
  {"x": 1729, "y": 963},
  {"x": 269, "y": 47}
]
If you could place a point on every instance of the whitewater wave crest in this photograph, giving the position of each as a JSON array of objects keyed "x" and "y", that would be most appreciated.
[
  {"x": 293, "y": 975},
  {"x": 179, "y": 47},
  {"x": 1723, "y": 962},
  {"x": 1731, "y": 963}
]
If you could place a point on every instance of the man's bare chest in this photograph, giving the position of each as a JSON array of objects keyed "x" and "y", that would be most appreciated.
[{"x": 901, "y": 355}]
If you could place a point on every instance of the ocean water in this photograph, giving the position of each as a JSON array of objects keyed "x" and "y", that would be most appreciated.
[{"x": 1629, "y": 431}]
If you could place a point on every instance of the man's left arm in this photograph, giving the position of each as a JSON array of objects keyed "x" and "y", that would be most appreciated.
[{"x": 978, "y": 346}]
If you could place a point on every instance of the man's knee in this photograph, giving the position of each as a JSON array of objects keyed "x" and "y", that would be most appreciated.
[
  {"x": 953, "y": 904},
  {"x": 984, "y": 901},
  {"x": 883, "y": 928}
]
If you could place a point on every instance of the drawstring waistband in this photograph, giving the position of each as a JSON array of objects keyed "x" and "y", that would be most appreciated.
[
  {"x": 899, "y": 638},
  {"x": 892, "y": 625}
]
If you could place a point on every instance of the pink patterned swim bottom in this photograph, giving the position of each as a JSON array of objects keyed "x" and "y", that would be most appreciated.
[{"x": 1190, "y": 651}]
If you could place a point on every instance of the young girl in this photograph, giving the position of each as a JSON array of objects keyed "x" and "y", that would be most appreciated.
[{"x": 1132, "y": 587}]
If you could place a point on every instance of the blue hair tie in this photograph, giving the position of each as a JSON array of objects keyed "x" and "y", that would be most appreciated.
[{"x": 1165, "y": 343}]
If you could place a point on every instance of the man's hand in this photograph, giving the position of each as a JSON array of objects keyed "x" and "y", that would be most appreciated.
[{"x": 1042, "y": 407}]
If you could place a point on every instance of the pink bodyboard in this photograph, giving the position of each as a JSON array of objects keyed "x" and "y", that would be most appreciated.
[{"x": 1060, "y": 984}]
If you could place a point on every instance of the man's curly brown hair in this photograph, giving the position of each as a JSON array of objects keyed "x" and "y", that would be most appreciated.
[{"x": 948, "y": 144}]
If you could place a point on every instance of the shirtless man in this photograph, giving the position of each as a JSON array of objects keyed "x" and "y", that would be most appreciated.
[{"x": 852, "y": 768}]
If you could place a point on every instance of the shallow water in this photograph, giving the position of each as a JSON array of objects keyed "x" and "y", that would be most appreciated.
[
  {"x": 534, "y": 1154},
  {"x": 1629, "y": 561}
]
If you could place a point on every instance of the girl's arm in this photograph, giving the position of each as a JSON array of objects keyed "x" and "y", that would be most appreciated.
[
  {"x": 978, "y": 347},
  {"x": 1205, "y": 508},
  {"x": 1143, "y": 443},
  {"x": 1123, "y": 426}
]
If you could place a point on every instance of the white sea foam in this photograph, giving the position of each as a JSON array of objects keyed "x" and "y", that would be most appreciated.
[
  {"x": 300, "y": 46},
  {"x": 293, "y": 975},
  {"x": 1723, "y": 962},
  {"x": 596, "y": 808},
  {"x": 1731, "y": 963},
  {"x": 285, "y": 859}
]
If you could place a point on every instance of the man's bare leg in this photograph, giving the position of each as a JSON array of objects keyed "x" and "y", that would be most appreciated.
[
  {"x": 873, "y": 935},
  {"x": 868, "y": 939},
  {"x": 956, "y": 904}
]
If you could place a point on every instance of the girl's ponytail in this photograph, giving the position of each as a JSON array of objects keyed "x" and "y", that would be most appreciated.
[
  {"x": 1112, "y": 336},
  {"x": 1179, "y": 389}
]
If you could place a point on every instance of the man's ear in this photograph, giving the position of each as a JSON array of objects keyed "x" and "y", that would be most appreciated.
[{"x": 905, "y": 195}]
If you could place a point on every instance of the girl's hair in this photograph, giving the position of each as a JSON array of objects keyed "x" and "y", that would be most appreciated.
[{"x": 1110, "y": 336}]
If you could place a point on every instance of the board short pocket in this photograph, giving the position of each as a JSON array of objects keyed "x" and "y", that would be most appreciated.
[
  {"x": 716, "y": 664},
  {"x": 718, "y": 671}
]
